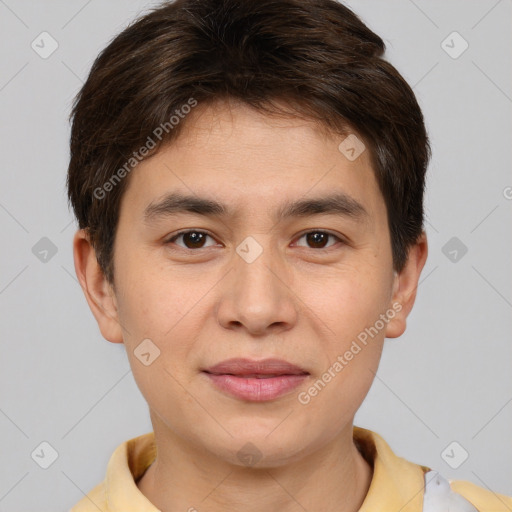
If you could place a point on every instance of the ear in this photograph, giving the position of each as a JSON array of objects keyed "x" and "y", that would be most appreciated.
[
  {"x": 405, "y": 285},
  {"x": 98, "y": 291}
]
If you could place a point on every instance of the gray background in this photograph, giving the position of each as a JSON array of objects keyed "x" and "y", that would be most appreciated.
[{"x": 447, "y": 379}]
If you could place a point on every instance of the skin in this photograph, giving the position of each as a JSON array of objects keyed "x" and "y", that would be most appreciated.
[{"x": 297, "y": 301}]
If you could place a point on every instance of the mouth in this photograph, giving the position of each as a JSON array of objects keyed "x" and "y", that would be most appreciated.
[
  {"x": 255, "y": 369},
  {"x": 256, "y": 381},
  {"x": 253, "y": 376}
]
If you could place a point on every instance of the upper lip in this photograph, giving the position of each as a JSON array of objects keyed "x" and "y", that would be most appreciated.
[{"x": 242, "y": 366}]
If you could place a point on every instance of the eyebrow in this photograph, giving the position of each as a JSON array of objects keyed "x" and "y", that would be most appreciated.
[{"x": 338, "y": 204}]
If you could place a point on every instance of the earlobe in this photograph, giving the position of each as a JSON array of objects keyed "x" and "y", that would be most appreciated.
[
  {"x": 97, "y": 290},
  {"x": 405, "y": 285}
]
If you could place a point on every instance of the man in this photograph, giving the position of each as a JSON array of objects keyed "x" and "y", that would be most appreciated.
[{"x": 248, "y": 179}]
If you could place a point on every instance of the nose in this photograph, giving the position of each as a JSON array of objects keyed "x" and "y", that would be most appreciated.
[{"x": 257, "y": 297}]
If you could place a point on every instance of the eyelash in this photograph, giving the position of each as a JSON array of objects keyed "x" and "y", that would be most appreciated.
[{"x": 184, "y": 232}]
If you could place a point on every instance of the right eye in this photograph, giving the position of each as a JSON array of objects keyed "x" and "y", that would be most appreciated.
[{"x": 192, "y": 239}]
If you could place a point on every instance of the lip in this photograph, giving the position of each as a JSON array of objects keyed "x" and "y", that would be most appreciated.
[
  {"x": 256, "y": 381},
  {"x": 242, "y": 366}
]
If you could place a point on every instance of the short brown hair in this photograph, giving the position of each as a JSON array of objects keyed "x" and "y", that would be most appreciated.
[{"x": 316, "y": 56}]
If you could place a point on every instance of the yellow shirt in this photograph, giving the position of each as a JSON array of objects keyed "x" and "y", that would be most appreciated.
[{"x": 397, "y": 484}]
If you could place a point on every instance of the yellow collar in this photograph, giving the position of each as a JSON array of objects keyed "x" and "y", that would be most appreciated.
[{"x": 397, "y": 484}]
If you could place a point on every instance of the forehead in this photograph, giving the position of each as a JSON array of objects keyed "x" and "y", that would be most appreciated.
[{"x": 250, "y": 161}]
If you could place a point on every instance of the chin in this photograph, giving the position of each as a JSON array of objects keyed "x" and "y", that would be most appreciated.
[{"x": 258, "y": 449}]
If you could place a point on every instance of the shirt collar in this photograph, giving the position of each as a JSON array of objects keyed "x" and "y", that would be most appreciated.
[
  {"x": 397, "y": 485},
  {"x": 126, "y": 466}
]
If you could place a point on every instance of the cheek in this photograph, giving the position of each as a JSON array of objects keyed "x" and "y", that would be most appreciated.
[
  {"x": 152, "y": 300},
  {"x": 351, "y": 354},
  {"x": 334, "y": 397},
  {"x": 347, "y": 302},
  {"x": 352, "y": 345},
  {"x": 164, "y": 308}
]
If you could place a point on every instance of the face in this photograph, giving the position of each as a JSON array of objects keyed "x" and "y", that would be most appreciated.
[{"x": 281, "y": 252}]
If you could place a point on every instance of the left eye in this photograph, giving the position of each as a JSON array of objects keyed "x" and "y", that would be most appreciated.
[{"x": 318, "y": 239}]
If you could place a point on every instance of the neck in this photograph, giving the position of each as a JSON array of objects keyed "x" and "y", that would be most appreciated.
[{"x": 334, "y": 478}]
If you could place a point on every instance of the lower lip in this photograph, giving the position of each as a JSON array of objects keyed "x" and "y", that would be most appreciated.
[{"x": 256, "y": 390}]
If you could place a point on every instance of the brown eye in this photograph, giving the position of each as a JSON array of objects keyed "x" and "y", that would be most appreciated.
[
  {"x": 318, "y": 239},
  {"x": 191, "y": 239}
]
